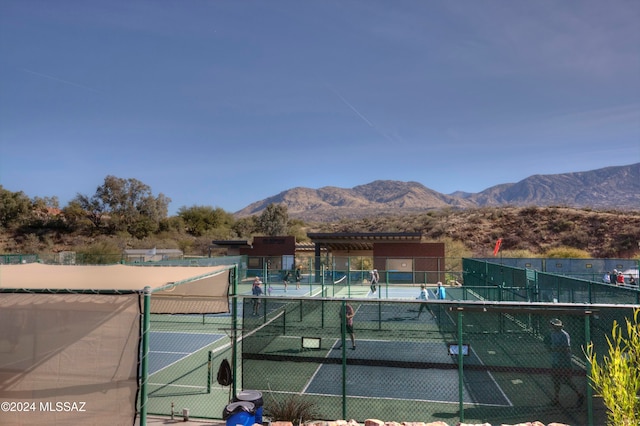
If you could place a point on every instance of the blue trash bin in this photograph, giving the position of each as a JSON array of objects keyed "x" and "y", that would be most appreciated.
[
  {"x": 240, "y": 413},
  {"x": 254, "y": 397}
]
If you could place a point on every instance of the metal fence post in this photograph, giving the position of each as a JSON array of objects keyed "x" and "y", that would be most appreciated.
[
  {"x": 460, "y": 367},
  {"x": 343, "y": 336},
  {"x": 234, "y": 330},
  {"x": 587, "y": 340},
  {"x": 144, "y": 373}
]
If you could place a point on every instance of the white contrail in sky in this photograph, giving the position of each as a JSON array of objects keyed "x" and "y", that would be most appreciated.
[
  {"x": 358, "y": 113},
  {"x": 347, "y": 103},
  {"x": 50, "y": 77}
]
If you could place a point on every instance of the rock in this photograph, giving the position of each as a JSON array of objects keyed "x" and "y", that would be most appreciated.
[{"x": 536, "y": 423}]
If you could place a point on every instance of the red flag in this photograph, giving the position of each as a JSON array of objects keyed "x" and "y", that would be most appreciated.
[{"x": 496, "y": 249}]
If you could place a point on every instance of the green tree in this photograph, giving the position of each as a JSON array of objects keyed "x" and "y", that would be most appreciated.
[
  {"x": 77, "y": 217},
  {"x": 273, "y": 220},
  {"x": 297, "y": 228},
  {"x": 91, "y": 207},
  {"x": 616, "y": 376},
  {"x": 45, "y": 213},
  {"x": 15, "y": 208},
  {"x": 172, "y": 224},
  {"x": 128, "y": 203},
  {"x": 245, "y": 226},
  {"x": 200, "y": 220}
]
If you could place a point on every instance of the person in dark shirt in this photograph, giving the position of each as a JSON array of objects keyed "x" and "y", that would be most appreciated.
[
  {"x": 256, "y": 290},
  {"x": 559, "y": 343},
  {"x": 349, "y": 313}
]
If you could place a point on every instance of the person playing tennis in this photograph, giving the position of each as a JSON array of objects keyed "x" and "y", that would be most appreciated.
[
  {"x": 424, "y": 296},
  {"x": 349, "y": 314}
]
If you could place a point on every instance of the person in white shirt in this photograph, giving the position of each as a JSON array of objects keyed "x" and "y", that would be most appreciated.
[
  {"x": 374, "y": 280},
  {"x": 424, "y": 295}
]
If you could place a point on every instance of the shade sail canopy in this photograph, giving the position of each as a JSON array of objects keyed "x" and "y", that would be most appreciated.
[
  {"x": 71, "y": 334},
  {"x": 69, "y": 348},
  {"x": 100, "y": 277}
]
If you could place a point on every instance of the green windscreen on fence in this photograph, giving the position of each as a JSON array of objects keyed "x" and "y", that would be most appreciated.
[
  {"x": 500, "y": 282},
  {"x": 406, "y": 360}
]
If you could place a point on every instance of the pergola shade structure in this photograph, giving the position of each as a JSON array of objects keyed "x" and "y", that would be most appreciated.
[{"x": 350, "y": 241}]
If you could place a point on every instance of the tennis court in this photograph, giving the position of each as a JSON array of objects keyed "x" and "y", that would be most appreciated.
[
  {"x": 166, "y": 349},
  {"x": 403, "y": 363},
  {"x": 179, "y": 362},
  {"x": 378, "y": 368},
  {"x": 383, "y": 291},
  {"x": 372, "y": 374}
]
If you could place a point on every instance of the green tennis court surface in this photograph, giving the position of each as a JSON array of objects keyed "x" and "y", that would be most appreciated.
[
  {"x": 417, "y": 371},
  {"x": 401, "y": 363}
]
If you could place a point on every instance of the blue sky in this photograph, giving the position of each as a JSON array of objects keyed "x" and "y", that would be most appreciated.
[{"x": 223, "y": 103}]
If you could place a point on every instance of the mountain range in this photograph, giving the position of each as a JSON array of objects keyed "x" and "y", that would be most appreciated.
[{"x": 616, "y": 187}]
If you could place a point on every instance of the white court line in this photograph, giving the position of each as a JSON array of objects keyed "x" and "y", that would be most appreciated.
[
  {"x": 313, "y": 376},
  {"x": 177, "y": 386},
  {"x": 187, "y": 354}
]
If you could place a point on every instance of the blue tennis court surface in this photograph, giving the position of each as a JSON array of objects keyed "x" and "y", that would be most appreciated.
[
  {"x": 277, "y": 292},
  {"x": 410, "y": 293},
  {"x": 167, "y": 348}
]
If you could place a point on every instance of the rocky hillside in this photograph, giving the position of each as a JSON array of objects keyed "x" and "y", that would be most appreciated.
[
  {"x": 531, "y": 229},
  {"x": 601, "y": 233},
  {"x": 608, "y": 188}
]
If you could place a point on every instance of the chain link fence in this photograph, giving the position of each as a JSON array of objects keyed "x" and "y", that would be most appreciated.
[
  {"x": 504, "y": 282},
  {"x": 426, "y": 361},
  {"x": 479, "y": 356}
]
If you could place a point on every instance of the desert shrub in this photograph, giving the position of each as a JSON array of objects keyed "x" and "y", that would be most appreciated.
[
  {"x": 101, "y": 252},
  {"x": 291, "y": 408},
  {"x": 560, "y": 225},
  {"x": 566, "y": 253},
  {"x": 475, "y": 219},
  {"x": 626, "y": 241},
  {"x": 454, "y": 252},
  {"x": 519, "y": 254},
  {"x": 186, "y": 245},
  {"x": 576, "y": 239},
  {"x": 529, "y": 211},
  {"x": 437, "y": 231},
  {"x": 616, "y": 376},
  {"x": 30, "y": 243}
]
